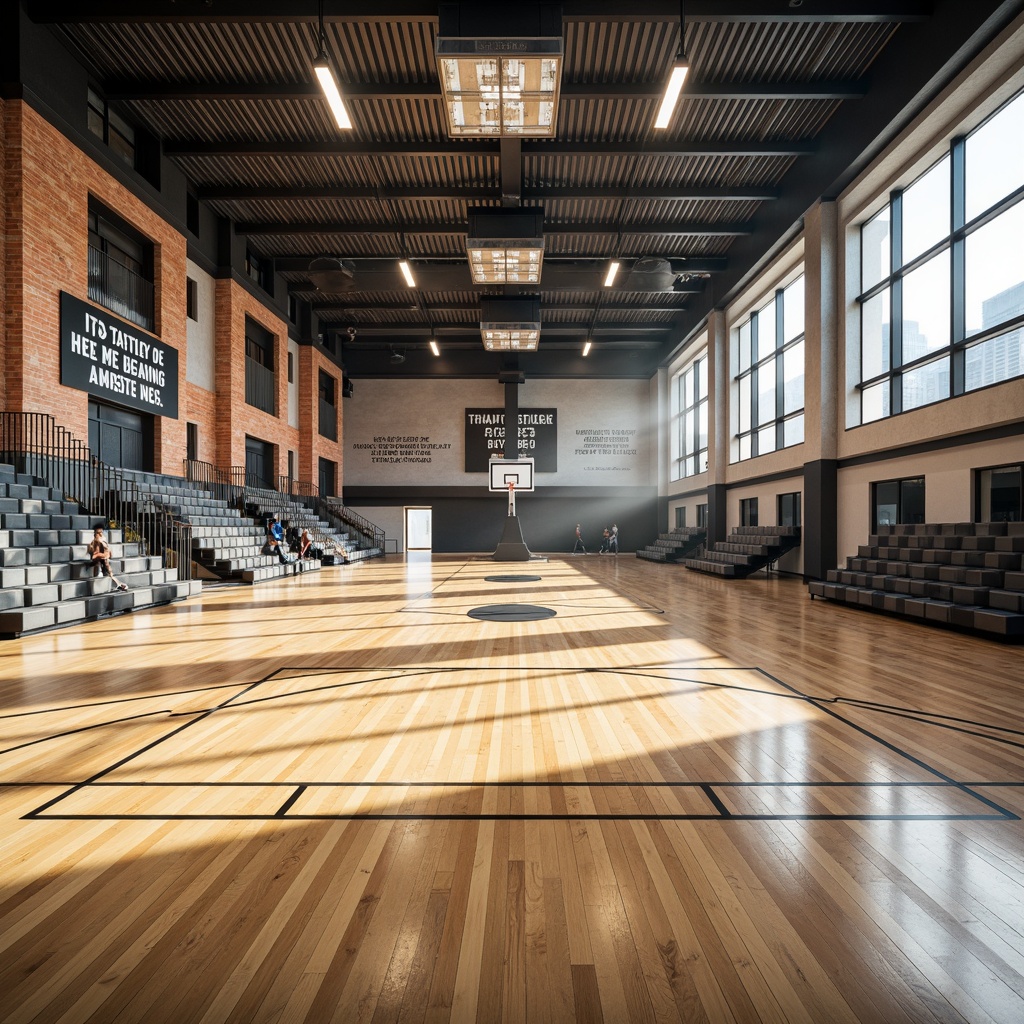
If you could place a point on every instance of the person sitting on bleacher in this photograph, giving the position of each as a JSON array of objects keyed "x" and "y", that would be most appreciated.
[
  {"x": 292, "y": 538},
  {"x": 306, "y": 548},
  {"x": 99, "y": 554},
  {"x": 273, "y": 548},
  {"x": 275, "y": 530}
]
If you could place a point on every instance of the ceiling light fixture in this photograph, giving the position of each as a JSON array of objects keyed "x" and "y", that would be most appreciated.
[
  {"x": 676, "y": 78},
  {"x": 500, "y": 69},
  {"x": 586, "y": 348},
  {"x": 433, "y": 347},
  {"x": 328, "y": 81},
  {"x": 406, "y": 269},
  {"x": 510, "y": 325},
  {"x": 505, "y": 246},
  {"x": 609, "y": 278}
]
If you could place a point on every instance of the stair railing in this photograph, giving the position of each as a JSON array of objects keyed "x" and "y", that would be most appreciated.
[{"x": 34, "y": 443}]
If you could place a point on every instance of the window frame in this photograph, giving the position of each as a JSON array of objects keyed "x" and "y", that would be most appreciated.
[
  {"x": 687, "y": 458},
  {"x": 954, "y": 242},
  {"x": 751, "y": 365}
]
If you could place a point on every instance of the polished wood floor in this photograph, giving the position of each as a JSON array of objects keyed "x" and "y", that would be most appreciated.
[{"x": 341, "y": 798}]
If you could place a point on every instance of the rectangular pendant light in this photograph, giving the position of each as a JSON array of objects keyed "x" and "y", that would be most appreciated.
[
  {"x": 332, "y": 92},
  {"x": 672, "y": 91},
  {"x": 406, "y": 270}
]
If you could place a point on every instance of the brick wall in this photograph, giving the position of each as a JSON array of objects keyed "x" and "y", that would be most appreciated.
[
  {"x": 47, "y": 185},
  {"x": 313, "y": 446},
  {"x": 234, "y": 418}
]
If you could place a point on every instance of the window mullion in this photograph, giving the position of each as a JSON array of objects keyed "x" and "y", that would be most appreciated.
[
  {"x": 896, "y": 303},
  {"x": 958, "y": 267}
]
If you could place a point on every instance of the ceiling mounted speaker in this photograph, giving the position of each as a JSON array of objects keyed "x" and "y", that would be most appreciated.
[
  {"x": 397, "y": 357},
  {"x": 650, "y": 274},
  {"x": 330, "y": 274}
]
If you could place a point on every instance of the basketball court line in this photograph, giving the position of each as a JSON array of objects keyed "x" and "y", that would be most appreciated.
[{"x": 716, "y": 794}]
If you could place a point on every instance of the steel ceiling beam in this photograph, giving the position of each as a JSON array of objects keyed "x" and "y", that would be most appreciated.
[
  {"x": 445, "y": 148},
  {"x": 123, "y": 90},
  {"x": 410, "y": 230},
  {"x": 241, "y": 193},
  {"x": 273, "y": 12},
  {"x": 654, "y": 332},
  {"x": 381, "y": 273},
  {"x": 466, "y": 307}
]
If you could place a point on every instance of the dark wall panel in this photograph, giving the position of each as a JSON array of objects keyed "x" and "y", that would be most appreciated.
[{"x": 465, "y": 523}]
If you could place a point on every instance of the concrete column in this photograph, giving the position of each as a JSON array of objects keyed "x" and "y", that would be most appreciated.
[
  {"x": 821, "y": 388},
  {"x": 719, "y": 378}
]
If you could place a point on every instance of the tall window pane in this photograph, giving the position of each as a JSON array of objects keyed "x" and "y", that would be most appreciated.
[
  {"x": 793, "y": 311},
  {"x": 793, "y": 379},
  {"x": 874, "y": 247},
  {"x": 874, "y": 325},
  {"x": 995, "y": 158},
  {"x": 766, "y": 392},
  {"x": 744, "y": 345},
  {"x": 926, "y": 208},
  {"x": 995, "y": 271},
  {"x": 745, "y": 410},
  {"x": 994, "y": 360},
  {"x": 874, "y": 402},
  {"x": 766, "y": 330},
  {"x": 926, "y": 384},
  {"x": 926, "y": 308},
  {"x": 793, "y": 430}
]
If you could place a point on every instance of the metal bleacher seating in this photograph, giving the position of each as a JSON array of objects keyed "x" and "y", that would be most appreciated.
[
  {"x": 46, "y": 577},
  {"x": 961, "y": 575},
  {"x": 748, "y": 549}
]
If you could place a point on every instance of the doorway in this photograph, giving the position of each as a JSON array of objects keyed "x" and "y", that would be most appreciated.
[
  {"x": 120, "y": 437},
  {"x": 417, "y": 528}
]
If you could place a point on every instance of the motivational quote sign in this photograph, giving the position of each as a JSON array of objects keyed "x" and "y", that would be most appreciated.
[
  {"x": 113, "y": 359},
  {"x": 538, "y": 438}
]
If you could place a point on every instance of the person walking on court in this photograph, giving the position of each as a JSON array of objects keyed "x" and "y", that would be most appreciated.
[
  {"x": 99, "y": 554},
  {"x": 613, "y": 539},
  {"x": 579, "y": 545}
]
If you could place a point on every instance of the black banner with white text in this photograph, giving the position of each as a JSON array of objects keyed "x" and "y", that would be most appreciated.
[{"x": 113, "y": 359}]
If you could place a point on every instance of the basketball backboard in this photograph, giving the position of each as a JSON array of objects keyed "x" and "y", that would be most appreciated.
[{"x": 506, "y": 471}]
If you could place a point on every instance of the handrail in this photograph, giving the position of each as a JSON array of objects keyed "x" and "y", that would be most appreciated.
[
  {"x": 370, "y": 531},
  {"x": 332, "y": 510},
  {"x": 36, "y": 444}
]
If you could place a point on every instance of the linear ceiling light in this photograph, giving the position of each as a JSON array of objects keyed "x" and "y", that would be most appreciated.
[
  {"x": 609, "y": 278},
  {"x": 496, "y": 84},
  {"x": 406, "y": 270},
  {"x": 510, "y": 325},
  {"x": 328, "y": 82},
  {"x": 676, "y": 78},
  {"x": 433, "y": 347},
  {"x": 586, "y": 348},
  {"x": 505, "y": 246}
]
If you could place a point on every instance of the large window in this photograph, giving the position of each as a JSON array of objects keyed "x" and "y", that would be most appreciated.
[
  {"x": 1000, "y": 493},
  {"x": 942, "y": 279},
  {"x": 260, "y": 382},
  {"x": 113, "y": 129},
  {"x": 120, "y": 267},
  {"x": 690, "y": 420},
  {"x": 770, "y": 384},
  {"x": 328, "y": 406},
  {"x": 897, "y": 501}
]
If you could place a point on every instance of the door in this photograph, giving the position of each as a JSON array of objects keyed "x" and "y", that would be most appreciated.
[
  {"x": 417, "y": 529},
  {"x": 259, "y": 462},
  {"x": 120, "y": 437}
]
